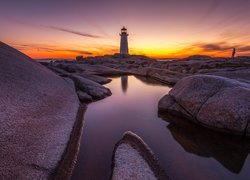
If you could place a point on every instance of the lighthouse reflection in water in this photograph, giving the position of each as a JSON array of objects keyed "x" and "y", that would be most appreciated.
[{"x": 124, "y": 83}]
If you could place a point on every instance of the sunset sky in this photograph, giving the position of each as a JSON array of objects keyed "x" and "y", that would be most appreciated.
[{"x": 157, "y": 28}]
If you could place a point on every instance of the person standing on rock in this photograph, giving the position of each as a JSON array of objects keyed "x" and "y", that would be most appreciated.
[{"x": 233, "y": 53}]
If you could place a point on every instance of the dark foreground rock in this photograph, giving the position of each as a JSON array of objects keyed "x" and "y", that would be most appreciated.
[
  {"x": 95, "y": 78},
  {"x": 168, "y": 71},
  {"x": 38, "y": 110},
  {"x": 162, "y": 75},
  {"x": 98, "y": 69},
  {"x": 84, "y": 97},
  {"x": 133, "y": 159},
  {"x": 219, "y": 103},
  {"x": 85, "y": 79},
  {"x": 95, "y": 90}
]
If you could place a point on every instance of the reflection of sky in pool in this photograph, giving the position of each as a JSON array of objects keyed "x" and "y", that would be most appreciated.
[{"x": 185, "y": 151}]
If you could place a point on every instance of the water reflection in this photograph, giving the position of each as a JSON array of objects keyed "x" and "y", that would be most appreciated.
[
  {"x": 182, "y": 150},
  {"x": 124, "y": 83},
  {"x": 229, "y": 150}
]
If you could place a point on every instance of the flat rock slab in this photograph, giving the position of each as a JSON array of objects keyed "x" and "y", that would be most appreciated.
[
  {"x": 133, "y": 159},
  {"x": 38, "y": 111}
]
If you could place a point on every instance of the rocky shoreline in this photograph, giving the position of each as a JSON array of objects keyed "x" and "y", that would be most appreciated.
[
  {"x": 212, "y": 92},
  {"x": 232, "y": 74},
  {"x": 224, "y": 76}
]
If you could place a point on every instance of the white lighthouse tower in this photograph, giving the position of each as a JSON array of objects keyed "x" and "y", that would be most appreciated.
[{"x": 124, "y": 42}]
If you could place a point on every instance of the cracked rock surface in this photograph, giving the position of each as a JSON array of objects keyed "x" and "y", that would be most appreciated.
[{"x": 216, "y": 102}]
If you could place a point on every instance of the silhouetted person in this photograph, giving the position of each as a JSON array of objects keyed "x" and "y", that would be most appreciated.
[{"x": 233, "y": 53}]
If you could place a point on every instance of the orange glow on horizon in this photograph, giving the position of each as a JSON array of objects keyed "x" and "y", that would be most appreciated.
[
  {"x": 158, "y": 29},
  {"x": 153, "y": 53}
]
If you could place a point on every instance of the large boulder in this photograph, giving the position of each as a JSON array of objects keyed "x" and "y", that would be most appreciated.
[
  {"x": 215, "y": 102},
  {"x": 38, "y": 111}
]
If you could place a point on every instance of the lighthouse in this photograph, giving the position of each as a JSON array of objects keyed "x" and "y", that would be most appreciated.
[{"x": 124, "y": 42}]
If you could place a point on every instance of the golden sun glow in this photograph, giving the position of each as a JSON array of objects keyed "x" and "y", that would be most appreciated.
[{"x": 159, "y": 29}]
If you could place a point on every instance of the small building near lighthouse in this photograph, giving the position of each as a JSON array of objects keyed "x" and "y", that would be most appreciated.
[{"x": 124, "y": 42}]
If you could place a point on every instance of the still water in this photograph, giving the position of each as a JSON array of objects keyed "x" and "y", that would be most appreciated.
[{"x": 185, "y": 151}]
